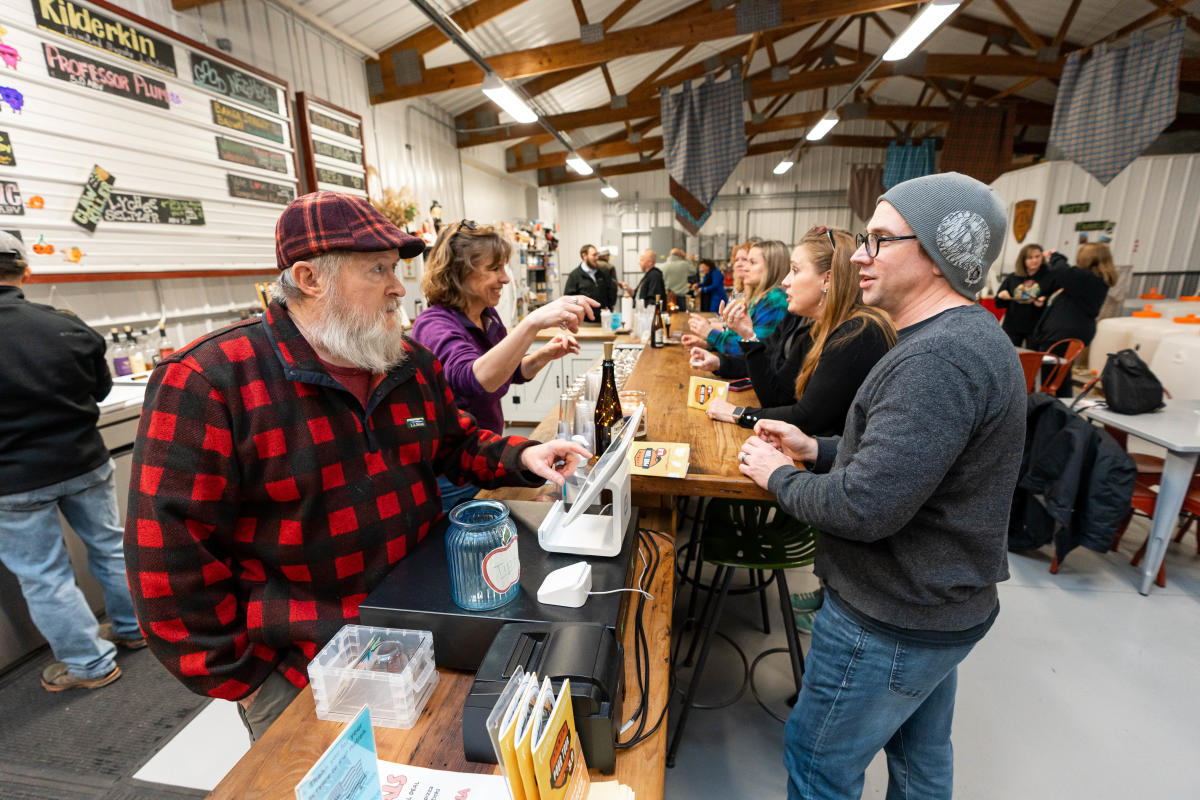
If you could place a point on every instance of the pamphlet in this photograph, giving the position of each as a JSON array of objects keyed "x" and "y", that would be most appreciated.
[
  {"x": 526, "y": 714},
  {"x": 557, "y": 755},
  {"x": 348, "y": 769},
  {"x": 403, "y": 782},
  {"x": 501, "y": 728},
  {"x": 701, "y": 391},
  {"x": 661, "y": 459}
]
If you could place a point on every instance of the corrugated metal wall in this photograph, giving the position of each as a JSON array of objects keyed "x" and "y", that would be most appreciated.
[{"x": 1153, "y": 202}]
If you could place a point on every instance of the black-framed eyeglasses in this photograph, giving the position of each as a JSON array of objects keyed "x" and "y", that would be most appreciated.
[{"x": 873, "y": 240}]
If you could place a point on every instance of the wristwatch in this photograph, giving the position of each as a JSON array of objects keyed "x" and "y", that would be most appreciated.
[
  {"x": 738, "y": 411},
  {"x": 753, "y": 338}
]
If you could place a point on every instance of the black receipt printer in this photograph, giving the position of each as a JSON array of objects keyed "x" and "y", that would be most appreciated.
[{"x": 586, "y": 652}]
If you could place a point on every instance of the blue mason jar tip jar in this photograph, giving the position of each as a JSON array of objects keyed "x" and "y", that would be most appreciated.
[{"x": 481, "y": 549}]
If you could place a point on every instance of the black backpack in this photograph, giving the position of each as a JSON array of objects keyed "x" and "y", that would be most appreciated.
[{"x": 1129, "y": 385}]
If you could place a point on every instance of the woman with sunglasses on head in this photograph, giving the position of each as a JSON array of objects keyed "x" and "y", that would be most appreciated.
[
  {"x": 847, "y": 338},
  {"x": 766, "y": 303},
  {"x": 465, "y": 272}
]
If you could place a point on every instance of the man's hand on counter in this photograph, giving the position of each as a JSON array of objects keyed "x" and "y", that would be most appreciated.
[{"x": 554, "y": 460}]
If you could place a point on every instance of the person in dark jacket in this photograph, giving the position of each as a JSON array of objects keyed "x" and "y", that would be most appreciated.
[
  {"x": 772, "y": 364},
  {"x": 52, "y": 459},
  {"x": 651, "y": 285},
  {"x": 712, "y": 286},
  {"x": 1023, "y": 293},
  {"x": 590, "y": 279},
  {"x": 1074, "y": 486},
  {"x": 848, "y": 337}
]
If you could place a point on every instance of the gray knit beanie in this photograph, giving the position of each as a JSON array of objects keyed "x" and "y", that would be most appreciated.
[{"x": 958, "y": 220}]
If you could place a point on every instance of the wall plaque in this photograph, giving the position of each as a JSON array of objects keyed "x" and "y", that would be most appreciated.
[
  {"x": 96, "y": 192},
  {"x": 86, "y": 71},
  {"x": 105, "y": 33},
  {"x": 1074, "y": 208},
  {"x": 233, "y": 83},
  {"x": 251, "y": 156},
  {"x": 254, "y": 189},
  {"x": 7, "y": 157},
  {"x": 335, "y": 125},
  {"x": 238, "y": 120},
  {"x": 124, "y": 207},
  {"x": 10, "y": 198},
  {"x": 341, "y": 178},
  {"x": 323, "y": 148}
]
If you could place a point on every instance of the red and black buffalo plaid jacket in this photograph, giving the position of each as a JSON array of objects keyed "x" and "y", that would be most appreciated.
[{"x": 265, "y": 502}]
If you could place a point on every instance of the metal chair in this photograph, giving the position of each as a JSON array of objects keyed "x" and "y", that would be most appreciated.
[
  {"x": 1145, "y": 501},
  {"x": 1065, "y": 351},
  {"x": 1031, "y": 365},
  {"x": 754, "y": 535}
]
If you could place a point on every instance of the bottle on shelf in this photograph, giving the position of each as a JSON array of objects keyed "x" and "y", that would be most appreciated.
[
  {"x": 608, "y": 404},
  {"x": 137, "y": 361},
  {"x": 149, "y": 349},
  {"x": 165, "y": 346},
  {"x": 656, "y": 323},
  {"x": 119, "y": 355}
]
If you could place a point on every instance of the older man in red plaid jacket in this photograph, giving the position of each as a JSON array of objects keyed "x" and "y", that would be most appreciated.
[{"x": 283, "y": 465}]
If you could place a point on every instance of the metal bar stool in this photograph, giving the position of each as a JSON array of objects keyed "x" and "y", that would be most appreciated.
[{"x": 754, "y": 535}]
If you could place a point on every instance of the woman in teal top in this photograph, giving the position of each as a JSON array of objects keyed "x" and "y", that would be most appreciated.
[{"x": 766, "y": 266}]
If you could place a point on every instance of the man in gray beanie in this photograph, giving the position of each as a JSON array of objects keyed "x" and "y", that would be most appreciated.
[{"x": 912, "y": 501}]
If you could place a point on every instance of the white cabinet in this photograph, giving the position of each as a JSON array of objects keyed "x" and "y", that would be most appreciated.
[{"x": 529, "y": 403}]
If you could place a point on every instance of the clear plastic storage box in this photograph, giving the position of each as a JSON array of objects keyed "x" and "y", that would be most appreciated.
[{"x": 388, "y": 670}]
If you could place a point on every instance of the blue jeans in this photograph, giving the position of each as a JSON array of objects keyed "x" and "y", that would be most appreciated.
[
  {"x": 33, "y": 549},
  {"x": 864, "y": 692},
  {"x": 452, "y": 495}
]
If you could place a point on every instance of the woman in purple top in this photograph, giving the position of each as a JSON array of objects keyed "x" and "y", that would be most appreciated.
[{"x": 465, "y": 272}]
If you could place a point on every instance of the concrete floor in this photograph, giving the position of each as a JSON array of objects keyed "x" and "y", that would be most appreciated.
[{"x": 1082, "y": 689}]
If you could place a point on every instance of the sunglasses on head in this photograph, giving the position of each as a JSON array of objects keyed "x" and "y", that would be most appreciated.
[{"x": 817, "y": 230}]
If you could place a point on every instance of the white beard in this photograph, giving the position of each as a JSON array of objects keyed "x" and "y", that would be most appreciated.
[{"x": 359, "y": 338}]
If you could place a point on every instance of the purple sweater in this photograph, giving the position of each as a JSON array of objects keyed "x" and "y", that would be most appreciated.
[{"x": 457, "y": 342}]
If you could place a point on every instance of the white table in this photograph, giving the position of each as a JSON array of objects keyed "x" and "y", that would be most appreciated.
[{"x": 1177, "y": 428}]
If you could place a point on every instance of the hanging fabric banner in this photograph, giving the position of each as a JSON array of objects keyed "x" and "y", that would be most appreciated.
[
  {"x": 1111, "y": 108},
  {"x": 866, "y": 184},
  {"x": 979, "y": 142},
  {"x": 907, "y": 161},
  {"x": 704, "y": 138}
]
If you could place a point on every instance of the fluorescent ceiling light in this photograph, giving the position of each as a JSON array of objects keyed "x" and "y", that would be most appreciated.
[
  {"x": 783, "y": 166},
  {"x": 919, "y": 29},
  {"x": 609, "y": 192},
  {"x": 579, "y": 165},
  {"x": 499, "y": 93},
  {"x": 823, "y": 127}
]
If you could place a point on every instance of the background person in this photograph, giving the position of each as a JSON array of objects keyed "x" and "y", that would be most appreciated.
[
  {"x": 912, "y": 501},
  {"x": 712, "y": 286},
  {"x": 651, "y": 285},
  {"x": 1024, "y": 293},
  {"x": 590, "y": 279},
  {"x": 283, "y": 465},
  {"x": 1076, "y": 296},
  {"x": 766, "y": 303},
  {"x": 52, "y": 375},
  {"x": 676, "y": 270},
  {"x": 464, "y": 274}
]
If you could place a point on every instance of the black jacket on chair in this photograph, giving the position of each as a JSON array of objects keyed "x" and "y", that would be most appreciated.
[{"x": 1075, "y": 482}]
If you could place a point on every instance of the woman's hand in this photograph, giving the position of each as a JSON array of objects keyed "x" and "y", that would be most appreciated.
[
  {"x": 565, "y": 312},
  {"x": 555, "y": 460},
  {"x": 720, "y": 409},
  {"x": 1003, "y": 295},
  {"x": 699, "y": 326},
  {"x": 692, "y": 341},
  {"x": 738, "y": 318},
  {"x": 561, "y": 345},
  {"x": 703, "y": 359},
  {"x": 757, "y": 460},
  {"x": 787, "y": 439}
]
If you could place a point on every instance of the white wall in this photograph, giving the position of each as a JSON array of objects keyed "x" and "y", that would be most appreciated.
[{"x": 1154, "y": 203}]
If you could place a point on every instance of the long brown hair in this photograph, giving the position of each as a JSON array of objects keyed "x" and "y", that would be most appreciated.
[
  {"x": 1025, "y": 251},
  {"x": 1096, "y": 257},
  {"x": 737, "y": 279},
  {"x": 460, "y": 248},
  {"x": 843, "y": 299},
  {"x": 776, "y": 262}
]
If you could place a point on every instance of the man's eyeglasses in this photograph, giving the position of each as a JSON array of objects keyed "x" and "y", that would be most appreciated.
[{"x": 873, "y": 240}]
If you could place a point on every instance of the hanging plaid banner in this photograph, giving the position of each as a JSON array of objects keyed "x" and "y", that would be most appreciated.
[
  {"x": 1111, "y": 108},
  {"x": 908, "y": 160},
  {"x": 979, "y": 142},
  {"x": 704, "y": 138}
]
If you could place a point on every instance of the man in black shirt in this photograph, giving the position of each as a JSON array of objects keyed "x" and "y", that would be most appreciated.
[
  {"x": 591, "y": 280},
  {"x": 52, "y": 458},
  {"x": 651, "y": 285}
]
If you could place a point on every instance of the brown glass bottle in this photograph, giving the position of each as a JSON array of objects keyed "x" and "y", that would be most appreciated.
[
  {"x": 657, "y": 336},
  {"x": 665, "y": 311},
  {"x": 608, "y": 404}
]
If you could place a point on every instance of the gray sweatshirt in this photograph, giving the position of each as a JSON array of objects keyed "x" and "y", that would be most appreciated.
[{"x": 912, "y": 500}]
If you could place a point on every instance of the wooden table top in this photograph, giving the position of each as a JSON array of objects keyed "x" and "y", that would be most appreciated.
[
  {"x": 279, "y": 760},
  {"x": 586, "y": 333}
]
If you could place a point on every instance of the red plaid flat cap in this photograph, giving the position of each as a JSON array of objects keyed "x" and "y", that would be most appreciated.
[{"x": 323, "y": 221}]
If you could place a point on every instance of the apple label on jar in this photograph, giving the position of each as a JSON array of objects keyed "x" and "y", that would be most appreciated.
[{"x": 502, "y": 567}]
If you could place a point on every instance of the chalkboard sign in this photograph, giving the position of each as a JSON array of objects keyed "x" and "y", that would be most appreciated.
[
  {"x": 1074, "y": 208},
  {"x": 233, "y": 83},
  {"x": 332, "y": 147},
  {"x": 251, "y": 156},
  {"x": 10, "y": 198},
  {"x": 104, "y": 32},
  {"x": 254, "y": 189},
  {"x": 166, "y": 117},
  {"x": 237, "y": 119},
  {"x": 90, "y": 208},
  {"x": 86, "y": 71},
  {"x": 153, "y": 210},
  {"x": 1096, "y": 225}
]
